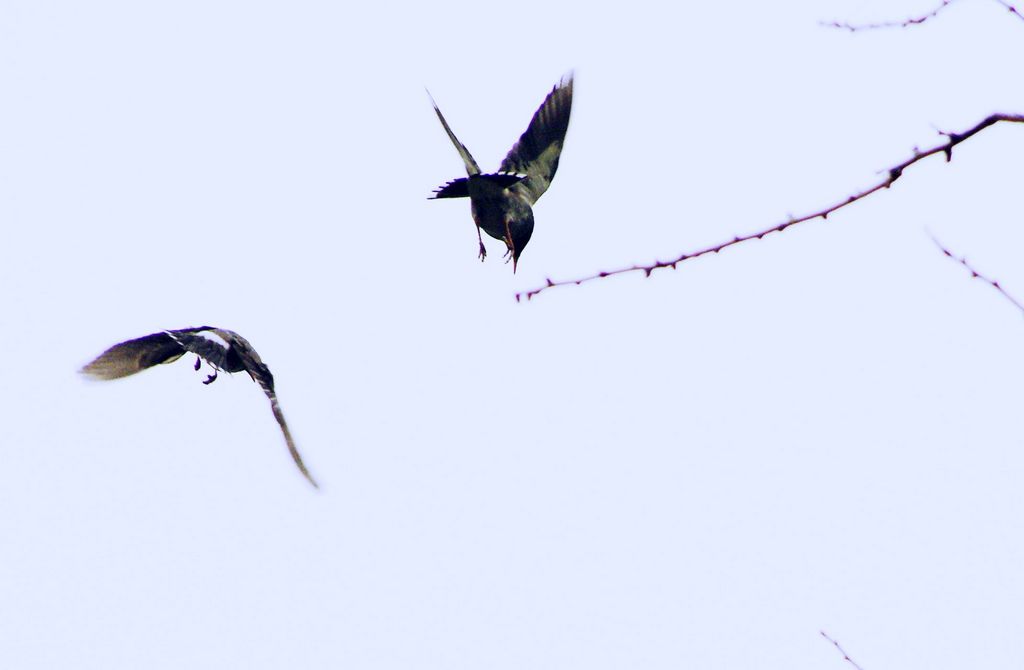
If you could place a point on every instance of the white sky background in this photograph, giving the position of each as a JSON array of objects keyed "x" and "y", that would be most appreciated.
[{"x": 819, "y": 430}]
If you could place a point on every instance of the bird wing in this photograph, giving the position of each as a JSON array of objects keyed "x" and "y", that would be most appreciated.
[
  {"x": 260, "y": 373},
  {"x": 131, "y": 356},
  {"x": 538, "y": 149},
  {"x": 223, "y": 349},
  {"x": 279, "y": 415},
  {"x": 471, "y": 167}
]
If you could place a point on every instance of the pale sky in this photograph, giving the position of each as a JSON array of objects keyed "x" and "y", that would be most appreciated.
[{"x": 703, "y": 469}]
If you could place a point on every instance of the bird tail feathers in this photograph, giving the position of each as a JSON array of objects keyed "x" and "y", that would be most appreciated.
[{"x": 459, "y": 188}]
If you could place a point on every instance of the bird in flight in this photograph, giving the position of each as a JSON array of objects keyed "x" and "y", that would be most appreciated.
[
  {"x": 222, "y": 349},
  {"x": 502, "y": 203}
]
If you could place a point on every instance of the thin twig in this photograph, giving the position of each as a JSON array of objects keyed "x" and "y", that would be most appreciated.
[
  {"x": 914, "y": 21},
  {"x": 846, "y": 657},
  {"x": 891, "y": 175},
  {"x": 1010, "y": 8},
  {"x": 906, "y": 23},
  {"x": 974, "y": 273}
]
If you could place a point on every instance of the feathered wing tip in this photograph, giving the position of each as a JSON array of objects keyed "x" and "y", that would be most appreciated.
[
  {"x": 538, "y": 150},
  {"x": 132, "y": 356},
  {"x": 260, "y": 373},
  {"x": 292, "y": 449},
  {"x": 467, "y": 158}
]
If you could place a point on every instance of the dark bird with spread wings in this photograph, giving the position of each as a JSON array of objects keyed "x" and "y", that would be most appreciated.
[
  {"x": 222, "y": 349},
  {"x": 502, "y": 203}
]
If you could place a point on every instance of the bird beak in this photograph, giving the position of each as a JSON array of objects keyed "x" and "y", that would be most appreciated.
[{"x": 511, "y": 248}]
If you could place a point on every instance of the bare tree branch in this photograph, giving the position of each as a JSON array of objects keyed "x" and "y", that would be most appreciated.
[
  {"x": 906, "y": 23},
  {"x": 914, "y": 21},
  {"x": 891, "y": 175},
  {"x": 846, "y": 657},
  {"x": 1010, "y": 8},
  {"x": 974, "y": 273}
]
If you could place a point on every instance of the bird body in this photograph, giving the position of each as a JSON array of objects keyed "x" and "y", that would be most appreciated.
[
  {"x": 224, "y": 350},
  {"x": 502, "y": 202},
  {"x": 498, "y": 210}
]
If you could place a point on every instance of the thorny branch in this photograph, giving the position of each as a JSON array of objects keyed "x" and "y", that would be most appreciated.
[
  {"x": 906, "y": 23},
  {"x": 888, "y": 24},
  {"x": 974, "y": 273},
  {"x": 1012, "y": 9},
  {"x": 846, "y": 657},
  {"x": 891, "y": 175}
]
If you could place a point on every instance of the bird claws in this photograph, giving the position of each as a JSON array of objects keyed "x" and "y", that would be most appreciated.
[
  {"x": 209, "y": 378},
  {"x": 510, "y": 247},
  {"x": 480, "y": 240}
]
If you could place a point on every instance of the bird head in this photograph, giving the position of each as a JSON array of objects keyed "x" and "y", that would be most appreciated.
[{"x": 520, "y": 230}]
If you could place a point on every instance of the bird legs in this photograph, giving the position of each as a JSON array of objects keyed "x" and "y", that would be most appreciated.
[
  {"x": 480, "y": 238},
  {"x": 510, "y": 250},
  {"x": 209, "y": 378}
]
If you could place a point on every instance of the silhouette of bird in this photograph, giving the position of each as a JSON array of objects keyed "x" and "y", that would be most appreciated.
[
  {"x": 502, "y": 203},
  {"x": 222, "y": 349}
]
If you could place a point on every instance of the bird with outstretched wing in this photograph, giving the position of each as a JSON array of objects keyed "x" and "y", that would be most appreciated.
[
  {"x": 502, "y": 202},
  {"x": 222, "y": 349}
]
